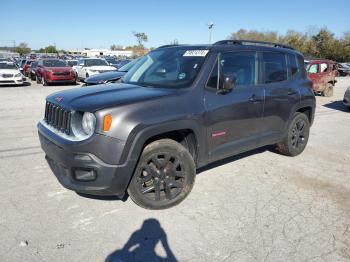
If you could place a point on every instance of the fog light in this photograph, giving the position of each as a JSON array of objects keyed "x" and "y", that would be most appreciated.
[{"x": 84, "y": 175}]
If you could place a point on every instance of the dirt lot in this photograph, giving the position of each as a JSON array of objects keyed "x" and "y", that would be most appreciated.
[{"x": 259, "y": 206}]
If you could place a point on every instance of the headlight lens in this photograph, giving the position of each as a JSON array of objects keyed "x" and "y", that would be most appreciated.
[
  {"x": 83, "y": 124},
  {"x": 18, "y": 75},
  {"x": 88, "y": 123}
]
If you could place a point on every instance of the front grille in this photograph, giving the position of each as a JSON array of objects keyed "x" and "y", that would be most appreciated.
[
  {"x": 7, "y": 75},
  {"x": 58, "y": 117},
  {"x": 7, "y": 81},
  {"x": 61, "y": 73}
]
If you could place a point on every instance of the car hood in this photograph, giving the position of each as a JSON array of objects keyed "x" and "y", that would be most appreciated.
[
  {"x": 101, "y": 68},
  {"x": 93, "y": 98},
  {"x": 95, "y": 79},
  {"x": 9, "y": 71}
]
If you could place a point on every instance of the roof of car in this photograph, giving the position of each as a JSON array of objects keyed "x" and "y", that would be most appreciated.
[{"x": 237, "y": 44}]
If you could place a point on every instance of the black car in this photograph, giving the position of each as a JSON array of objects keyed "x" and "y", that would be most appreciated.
[
  {"x": 179, "y": 108},
  {"x": 109, "y": 77},
  {"x": 32, "y": 70}
]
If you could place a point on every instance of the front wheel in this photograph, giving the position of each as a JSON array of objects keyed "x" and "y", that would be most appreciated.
[
  {"x": 297, "y": 136},
  {"x": 164, "y": 175}
]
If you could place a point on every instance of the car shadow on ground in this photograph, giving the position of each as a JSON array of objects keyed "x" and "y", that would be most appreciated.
[
  {"x": 105, "y": 198},
  {"x": 237, "y": 157},
  {"x": 141, "y": 245},
  {"x": 337, "y": 105}
]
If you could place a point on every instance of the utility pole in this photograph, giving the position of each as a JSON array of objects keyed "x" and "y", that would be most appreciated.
[{"x": 210, "y": 27}]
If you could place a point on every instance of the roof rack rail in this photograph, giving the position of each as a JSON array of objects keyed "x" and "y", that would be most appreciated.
[
  {"x": 163, "y": 46},
  {"x": 251, "y": 42}
]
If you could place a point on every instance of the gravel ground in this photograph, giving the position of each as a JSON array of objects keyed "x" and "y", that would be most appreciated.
[{"x": 258, "y": 206}]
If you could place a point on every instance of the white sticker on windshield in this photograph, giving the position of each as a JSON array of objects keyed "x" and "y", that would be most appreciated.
[{"x": 196, "y": 53}]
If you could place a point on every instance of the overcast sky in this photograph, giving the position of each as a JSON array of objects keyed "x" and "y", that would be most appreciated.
[{"x": 99, "y": 24}]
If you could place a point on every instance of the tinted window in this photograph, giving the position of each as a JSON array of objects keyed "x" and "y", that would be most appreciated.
[
  {"x": 275, "y": 67},
  {"x": 292, "y": 66},
  {"x": 240, "y": 65},
  {"x": 168, "y": 67}
]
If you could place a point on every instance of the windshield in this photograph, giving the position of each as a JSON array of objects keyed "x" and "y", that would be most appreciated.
[
  {"x": 171, "y": 67},
  {"x": 54, "y": 63},
  {"x": 96, "y": 62},
  {"x": 7, "y": 66},
  {"x": 126, "y": 67}
]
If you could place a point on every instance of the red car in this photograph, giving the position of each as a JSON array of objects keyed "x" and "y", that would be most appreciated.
[
  {"x": 26, "y": 67},
  {"x": 322, "y": 73},
  {"x": 50, "y": 71}
]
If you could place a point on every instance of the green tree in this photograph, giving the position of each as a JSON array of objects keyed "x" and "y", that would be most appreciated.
[
  {"x": 22, "y": 49},
  {"x": 51, "y": 49}
]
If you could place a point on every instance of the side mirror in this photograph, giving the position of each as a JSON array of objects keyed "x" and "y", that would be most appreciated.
[{"x": 227, "y": 84}]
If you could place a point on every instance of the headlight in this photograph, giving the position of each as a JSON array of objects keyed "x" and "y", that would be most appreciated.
[
  {"x": 83, "y": 124},
  {"x": 18, "y": 75}
]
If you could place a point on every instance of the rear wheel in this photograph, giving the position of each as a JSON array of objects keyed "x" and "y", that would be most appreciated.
[
  {"x": 297, "y": 136},
  {"x": 328, "y": 92},
  {"x": 164, "y": 175}
]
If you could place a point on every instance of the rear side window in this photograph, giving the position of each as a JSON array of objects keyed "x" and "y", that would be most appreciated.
[
  {"x": 292, "y": 66},
  {"x": 241, "y": 65},
  {"x": 274, "y": 67}
]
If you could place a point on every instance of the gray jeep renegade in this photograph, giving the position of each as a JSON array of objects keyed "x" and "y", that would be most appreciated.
[{"x": 179, "y": 108}]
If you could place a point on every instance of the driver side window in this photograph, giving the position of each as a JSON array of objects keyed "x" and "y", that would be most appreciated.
[{"x": 239, "y": 65}]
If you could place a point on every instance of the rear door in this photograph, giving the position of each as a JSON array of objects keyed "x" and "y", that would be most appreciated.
[
  {"x": 279, "y": 78},
  {"x": 233, "y": 119}
]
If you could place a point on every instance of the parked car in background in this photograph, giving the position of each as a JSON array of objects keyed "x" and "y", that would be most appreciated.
[
  {"x": 122, "y": 62},
  {"x": 178, "y": 109},
  {"x": 112, "y": 61},
  {"x": 54, "y": 71},
  {"x": 91, "y": 66},
  {"x": 110, "y": 77},
  {"x": 343, "y": 69},
  {"x": 10, "y": 74},
  {"x": 26, "y": 67},
  {"x": 322, "y": 74},
  {"x": 72, "y": 62},
  {"x": 346, "y": 99},
  {"x": 32, "y": 70}
]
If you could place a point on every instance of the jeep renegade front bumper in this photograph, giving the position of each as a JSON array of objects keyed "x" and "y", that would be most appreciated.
[{"x": 84, "y": 172}]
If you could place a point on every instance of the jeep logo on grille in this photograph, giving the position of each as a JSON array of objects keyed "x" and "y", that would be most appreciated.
[{"x": 59, "y": 99}]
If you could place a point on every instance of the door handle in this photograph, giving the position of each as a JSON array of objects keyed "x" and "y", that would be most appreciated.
[{"x": 254, "y": 99}]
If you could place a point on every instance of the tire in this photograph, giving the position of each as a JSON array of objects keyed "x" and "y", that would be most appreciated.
[
  {"x": 297, "y": 136},
  {"x": 328, "y": 92},
  {"x": 168, "y": 166},
  {"x": 38, "y": 80}
]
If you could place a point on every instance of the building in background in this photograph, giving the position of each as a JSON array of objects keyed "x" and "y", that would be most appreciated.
[{"x": 102, "y": 52}]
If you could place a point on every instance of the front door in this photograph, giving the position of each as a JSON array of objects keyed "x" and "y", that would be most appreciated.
[{"x": 233, "y": 119}]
